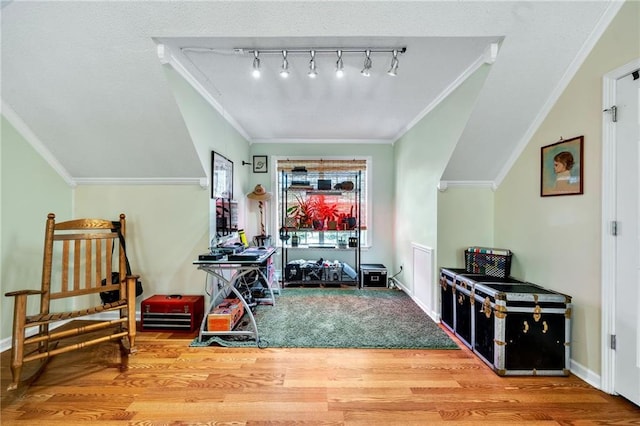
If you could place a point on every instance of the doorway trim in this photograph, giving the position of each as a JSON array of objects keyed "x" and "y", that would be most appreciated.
[{"x": 608, "y": 255}]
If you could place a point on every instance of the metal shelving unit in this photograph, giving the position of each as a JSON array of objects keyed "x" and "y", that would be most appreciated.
[{"x": 333, "y": 199}]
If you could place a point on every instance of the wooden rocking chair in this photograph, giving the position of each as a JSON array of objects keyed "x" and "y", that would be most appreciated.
[{"x": 78, "y": 255}]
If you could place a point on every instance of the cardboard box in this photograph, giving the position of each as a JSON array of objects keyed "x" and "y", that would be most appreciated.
[{"x": 225, "y": 316}]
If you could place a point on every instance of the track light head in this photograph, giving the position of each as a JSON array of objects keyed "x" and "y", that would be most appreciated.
[
  {"x": 312, "y": 65},
  {"x": 366, "y": 71},
  {"x": 256, "y": 65},
  {"x": 393, "y": 71},
  {"x": 313, "y": 52},
  {"x": 339, "y": 65},
  {"x": 284, "y": 72}
]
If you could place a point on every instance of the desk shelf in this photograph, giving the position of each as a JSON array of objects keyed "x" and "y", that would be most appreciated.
[{"x": 231, "y": 273}]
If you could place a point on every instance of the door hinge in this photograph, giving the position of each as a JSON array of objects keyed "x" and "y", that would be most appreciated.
[
  {"x": 613, "y": 341},
  {"x": 614, "y": 227},
  {"x": 614, "y": 113}
]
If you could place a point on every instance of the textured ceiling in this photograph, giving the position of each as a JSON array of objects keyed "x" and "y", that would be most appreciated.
[{"x": 84, "y": 78}]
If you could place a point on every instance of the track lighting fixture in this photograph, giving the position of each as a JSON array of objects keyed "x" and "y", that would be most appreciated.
[
  {"x": 312, "y": 65},
  {"x": 256, "y": 65},
  {"x": 366, "y": 71},
  {"x": 314, "y": 52},
  {"x": 284, "y": 72},
  {"x": 339, "y": 65},
  {"x": 393, "y": 71}
]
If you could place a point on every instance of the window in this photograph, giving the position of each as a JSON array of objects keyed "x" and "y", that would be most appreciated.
[{"x": 336, "y": 170}]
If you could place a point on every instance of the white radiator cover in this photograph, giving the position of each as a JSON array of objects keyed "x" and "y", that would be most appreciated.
[{"x": 423, "y": 287}]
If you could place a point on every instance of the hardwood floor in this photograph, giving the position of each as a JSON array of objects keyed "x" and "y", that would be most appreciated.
[{"x": 168, "y": 383}]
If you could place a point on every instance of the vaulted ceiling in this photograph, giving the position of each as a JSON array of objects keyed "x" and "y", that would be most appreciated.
[{"x": 84, "y": 79}]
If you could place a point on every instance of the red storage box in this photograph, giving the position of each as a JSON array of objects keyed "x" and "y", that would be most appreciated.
[{"x": 172, "y": 312}]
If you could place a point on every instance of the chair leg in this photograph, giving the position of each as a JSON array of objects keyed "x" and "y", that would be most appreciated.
[
  {"x": 43, "y": 346},
  {"x": 131, "y": 313},
  {"x": 17, "y": 346}
]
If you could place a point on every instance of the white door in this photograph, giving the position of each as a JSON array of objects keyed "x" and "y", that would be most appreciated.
[{"x": 627, "y": 251}]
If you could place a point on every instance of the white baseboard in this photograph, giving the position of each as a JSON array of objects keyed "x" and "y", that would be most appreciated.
[{"x": 585, "y": 374}]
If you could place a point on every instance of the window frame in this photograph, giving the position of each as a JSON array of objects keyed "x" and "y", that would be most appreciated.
[{"x": 366, "y": 235}]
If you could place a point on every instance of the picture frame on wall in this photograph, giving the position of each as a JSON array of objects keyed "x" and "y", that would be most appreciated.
[
  {"x": 260, "y": 164},
  {"x": 221, "y": 176},
  {"x": 562, "y": 168}
]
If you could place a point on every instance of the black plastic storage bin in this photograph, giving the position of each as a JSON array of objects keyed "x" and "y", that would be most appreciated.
[{"x": 373, "y": 275}]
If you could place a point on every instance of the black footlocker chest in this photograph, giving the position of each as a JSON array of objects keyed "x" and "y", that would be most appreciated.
[
  {"x": 463, "y": 306},
  {"x": 456, "y": 310},
  {"x": 517, "y": 328},
  {"x": 522, "y": 329},
  {"x": 447, "y": 300}
]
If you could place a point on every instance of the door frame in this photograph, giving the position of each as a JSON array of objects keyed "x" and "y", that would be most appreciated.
[{"x": 608, "y": 255}]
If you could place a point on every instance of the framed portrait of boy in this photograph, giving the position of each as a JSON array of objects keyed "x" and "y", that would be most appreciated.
[{"x": 562, "y": 168}]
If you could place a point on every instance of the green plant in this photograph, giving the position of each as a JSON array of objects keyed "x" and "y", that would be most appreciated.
[
  {"x": 324, "y": 210},
  {"x": 304, "y": 211},
  {"x": 313, "y": 208}
]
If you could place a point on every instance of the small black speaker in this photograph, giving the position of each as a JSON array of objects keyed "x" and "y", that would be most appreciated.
[{"x": 324, "y": 184}]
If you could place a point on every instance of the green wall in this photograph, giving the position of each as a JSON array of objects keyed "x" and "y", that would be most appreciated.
[
  {"x": 465, "y": 218},
  {"x": 556, "y": 240},
  {"x": 167, "y": 227},
  {"x": 421, "y": 157},
  {"x": 30, "y": 189},
  {"x": 209, "y": 132}
]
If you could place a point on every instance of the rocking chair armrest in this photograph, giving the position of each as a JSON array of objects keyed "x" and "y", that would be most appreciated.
[{"x": 23, "y": 292}]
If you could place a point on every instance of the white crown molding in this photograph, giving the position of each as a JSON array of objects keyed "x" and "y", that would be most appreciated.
[
  {"x": 202, "y": 182},
  {"x": 572, "y": 69},
  {"x": 443, "y": 185},
  {"x": 24, "y": 130},
  {"x": 491, "y": 53},
  {"x": 168, "y": 57}
]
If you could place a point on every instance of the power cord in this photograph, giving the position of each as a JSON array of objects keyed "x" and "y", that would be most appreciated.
[{"x": 393, "y": 282}]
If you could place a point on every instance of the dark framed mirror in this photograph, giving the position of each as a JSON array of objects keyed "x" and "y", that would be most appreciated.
[{"x": 221, "y": 176}]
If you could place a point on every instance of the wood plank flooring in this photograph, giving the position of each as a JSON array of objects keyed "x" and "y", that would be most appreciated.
[{"x": 168, "y": 383}]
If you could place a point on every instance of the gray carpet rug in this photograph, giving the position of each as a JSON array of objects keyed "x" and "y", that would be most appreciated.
[{"x": 341, "y": 318}]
